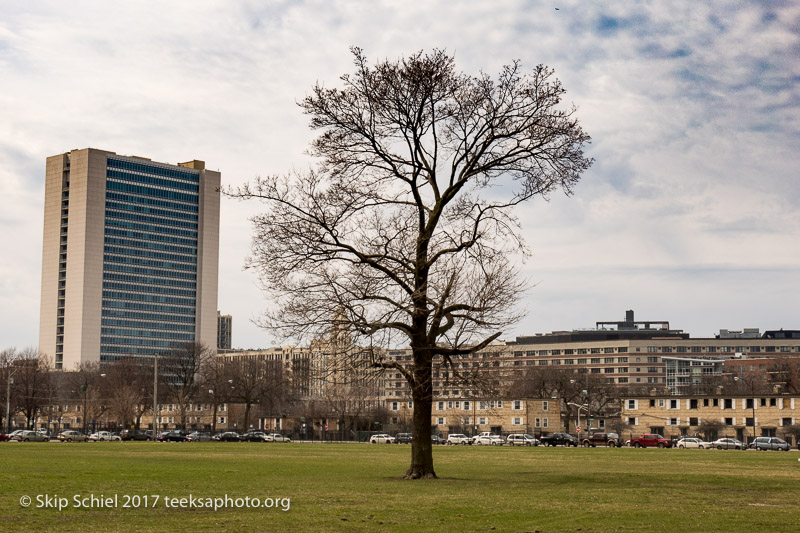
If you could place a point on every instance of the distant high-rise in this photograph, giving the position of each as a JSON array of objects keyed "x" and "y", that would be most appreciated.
[
  {"x": 224, "y": 331},
  {"x": 130, "y": 257}
]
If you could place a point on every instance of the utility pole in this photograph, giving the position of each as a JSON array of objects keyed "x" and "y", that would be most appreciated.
[{"x": 155, "y": 394}]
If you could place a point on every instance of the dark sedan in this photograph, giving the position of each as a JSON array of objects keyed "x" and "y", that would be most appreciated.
[
  {"x": 173, "y": 436},
  {"x": 559, "y": 439},
  {"x": 228, "y": 436}
]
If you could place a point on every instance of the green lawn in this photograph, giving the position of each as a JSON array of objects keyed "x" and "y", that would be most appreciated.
[{"x": 356, "y": 487}]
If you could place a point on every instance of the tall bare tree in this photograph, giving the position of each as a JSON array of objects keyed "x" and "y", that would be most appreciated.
[
  {"x": 182, "y": 367},
  {"x": 405, "y": 231},
  {"x": 128, "y": 390}
]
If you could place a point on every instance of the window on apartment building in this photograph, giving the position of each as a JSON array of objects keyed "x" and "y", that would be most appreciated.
[
  {"x": 762, "y": 402},
  {"x": 633, "y": 404},
  {"x": 693, "y": 404},
  {"x": 673, "y": 404},
  {"x": 582, "y": 361},
  {"x": 449, "y": 404},
  {"x": 542, "y": 352},
  {"x": 652, "y": 349},
  {"x": 595, "y": 350},
  {"x": 633, "y": 421},
  {"x": 681, "y": 349},
  {"x": 569, "y": 351},
  {"x": 652, "y": 369},
  {"x": 622, "y": 380},
  {"x": 652, "y": 403},
  {"x": 458, "y": 404},
  {"x": 622, "y": 349},
  {"x": 609, "y": 370},
  {"x": 773, "y": 402},
  {"x": 748, "y": 422},
  {"x": 555, "y": 352},
  {"x": 729, "y": 421},
  {"x": 728, "y": 403},
  {"x": 652, "y": 359},
  {"x": 652, "y": 380},
  {"x": 542, "y": 362},
  {"x": 544, "y": 423},
  {"x": 221, "y": 420},
  {"x": 705, "y": 402},
  {"x": 673, "y": 421},
  {"x": 222, "y": 407},
  {"x": 516, "y": 421},
  {"x": 786, "y": 422},
  {"x": 623, "y": 370},
  {"x": 537, "y": 422},
  {"x": 482, "y": 406},
  {"x": 441, "y": 421},
  {"x": 482, "y": 421},
  {"x": 596, "y": 370},
  {"x": 694, "y": 421},
  {"x": 622, "y": 360},
  {"x": 595, "y": 360},
  {"x": 410, "y": 405},
  {"x": 467, "y": 406},
  {"x": 711, "y": 349},
  {"x": 545, "y": 405},
  {"x": 516, "y": 405},
  {"x": 582, "y": 351},
  {"x": 569, "y": 361},
  {"x": 556, "y": 362},
  {"x": 666, "y": 349},
  {"x": 749, "y": 403},
  {"x": 395, "y": 406}
]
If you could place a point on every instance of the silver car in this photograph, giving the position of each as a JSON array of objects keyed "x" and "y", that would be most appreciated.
[
  {"x": 31, "y": 436},
  {"x": 728, "y": 443},
  {"x": 381, "y": 438},
  {"x": 770, "y": 443}
]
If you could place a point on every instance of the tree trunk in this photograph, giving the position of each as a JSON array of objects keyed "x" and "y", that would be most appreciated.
[{"x": 421, "y": 445}]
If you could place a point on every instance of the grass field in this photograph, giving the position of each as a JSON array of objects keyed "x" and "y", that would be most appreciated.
[{"x": 356, "y": 487}]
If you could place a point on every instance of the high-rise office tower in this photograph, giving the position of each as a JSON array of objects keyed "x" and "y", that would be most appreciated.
[
  {"x": 130, "y": 257},
  {"x": 224, "y": 331}
]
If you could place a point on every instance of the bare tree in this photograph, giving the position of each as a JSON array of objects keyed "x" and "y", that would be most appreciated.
[
  {"x": 128, "y": 390},
  {"x": 182, "y": 366},
  {"x": 85, "y": 386},
  {"x": 405, "y": 231},
  {"x": 253, "y": 381},
  {"x": 31, "y": 383}
]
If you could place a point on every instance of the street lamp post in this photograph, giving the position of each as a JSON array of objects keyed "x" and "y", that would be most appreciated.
[
  {"x": 752, "y": 400},
  {"x": 9, "y": 382},
  {"x": 155, "y": 394},
  {"x": 579, "y": 406}
]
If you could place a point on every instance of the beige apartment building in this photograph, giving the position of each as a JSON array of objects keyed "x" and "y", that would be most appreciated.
[{"x": 129, "y": 258}]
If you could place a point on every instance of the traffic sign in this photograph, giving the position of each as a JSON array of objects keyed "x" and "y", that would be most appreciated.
[{"x": 578, "y": 429}]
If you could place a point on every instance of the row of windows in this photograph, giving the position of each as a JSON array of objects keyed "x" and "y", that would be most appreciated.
[
  {"x": 149, "y": 280},
  {"x": 152, "y": 180},
  {"x": 124, "y": 215},
  {"x": 110, "y": 267},
  {"x": 111, "y": 353},
  {"x": 150, "y": 298},
  {"x": 131, "y": 315},
  {"x": 141, "y": 288},
  {"x": 167, "y": 265},
  {"x": 140, "y": 190},
  {"x": 145, "y": 334},
  {"x": 135, "y": 252},
  {"x": 149, "y": 228},
  {"x": 147, "y": 245},
  {"x": 108, "y": 342},
  {"x": 188, "y": 174},
  {"x": 153, "y": 308},
  {"x": 114, "y": 232},
  {"x": 155, "y": 202},
  {"x": 147, "y": 325},
  {"x": 133, "y": 208}
]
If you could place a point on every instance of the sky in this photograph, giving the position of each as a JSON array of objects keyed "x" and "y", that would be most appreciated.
[{"x": 689, "y": 214}]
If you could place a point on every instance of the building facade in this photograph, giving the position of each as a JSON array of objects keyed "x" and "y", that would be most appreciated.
[
  {"x": 224, "y": 331},
  {"x": 129, "y": 259}
]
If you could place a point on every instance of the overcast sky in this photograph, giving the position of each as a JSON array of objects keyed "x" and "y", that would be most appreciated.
[{"x": 689, "y": 214}]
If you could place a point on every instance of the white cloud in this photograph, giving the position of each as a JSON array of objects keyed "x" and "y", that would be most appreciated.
[{"x": 693, "y": 109}]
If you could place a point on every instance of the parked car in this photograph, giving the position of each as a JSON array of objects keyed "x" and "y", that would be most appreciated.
[
  {"x": 770, "y": 443},
  {"x": 103, "y": 436},
  {"x": 69, "y": 435},
  {"x": 228, "y": 436},
  {"x": 277, "y": 437},
  {"x": 178, "y": 435},
  {"x": 458, "y": 438},
  {"x": 403, "y": 438},
  {"x": 30, "y": 436},
  {"x": 651, "y": 440},
  {"x": 559, "y": 439},
  {"x": 134, "y": 434},
  {"x": 381, "y": 438},
  {"x": 522, "y": 439},
  {"x": 436, "y": 439},
  {"x": 198, "y": 436},
  {"x": 490, "y": 440},
  {"x": 728, "y": 444},
  {"x": 254, "y": 436},
  {"x": 693, "y": 442},
  {"x": 3, "y": 437},
  {"x": 610, "y": 440}
]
